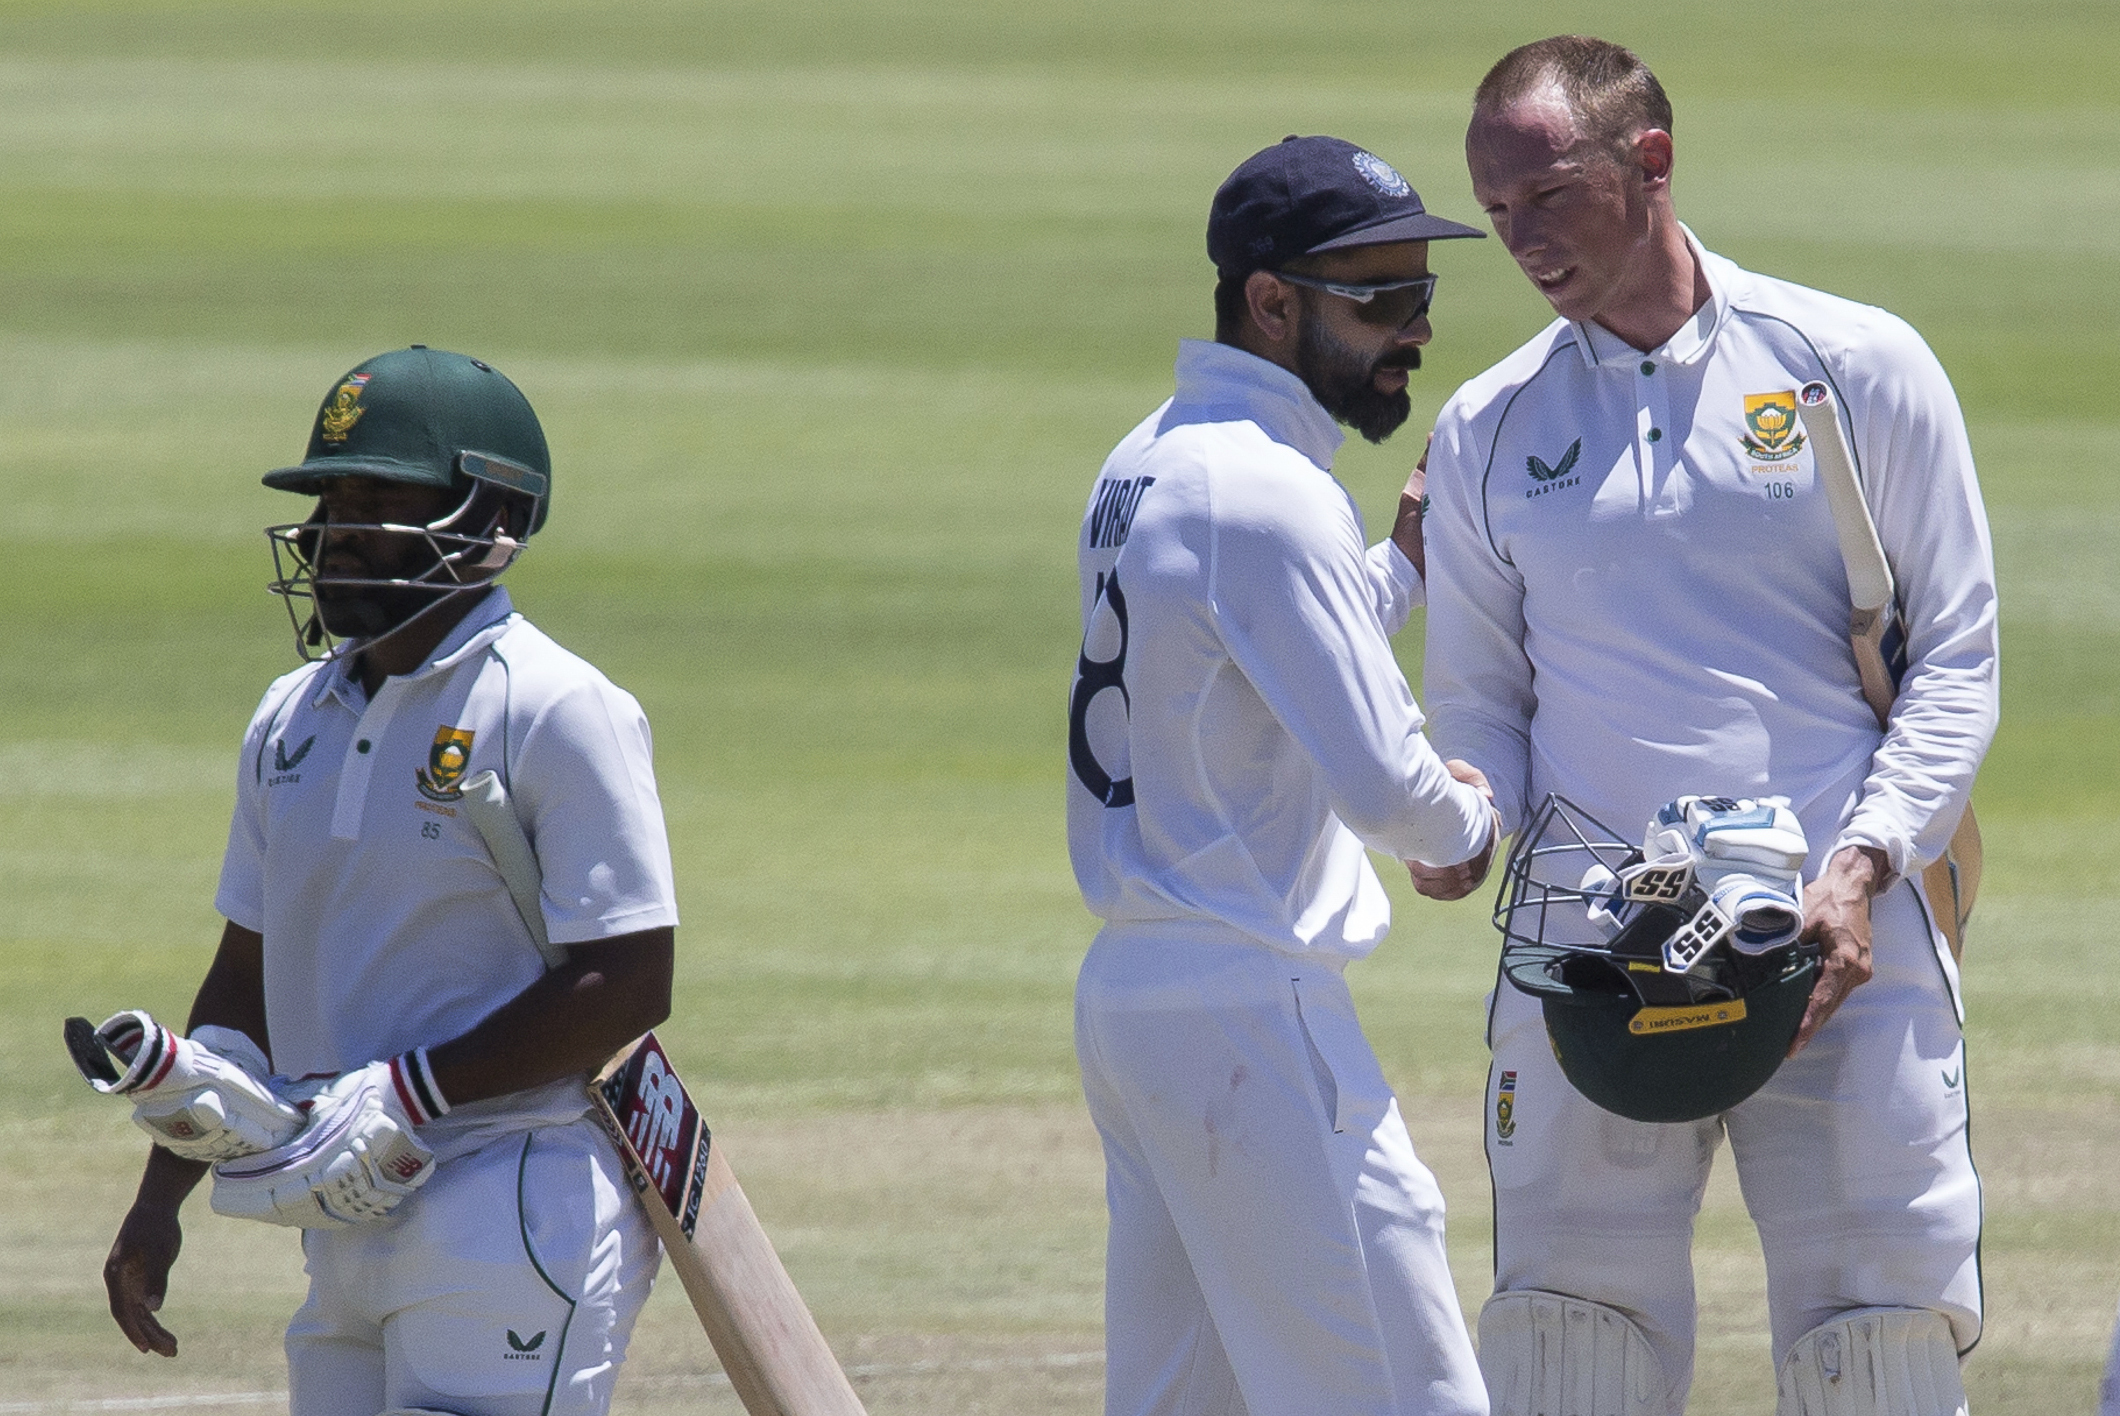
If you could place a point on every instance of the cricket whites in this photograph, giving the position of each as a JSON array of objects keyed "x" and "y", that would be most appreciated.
[{"x": 768, "y": 1343}]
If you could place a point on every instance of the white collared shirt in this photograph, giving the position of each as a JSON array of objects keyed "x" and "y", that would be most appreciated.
[
  {"x": 386, "y": 925},
  {"x": 1636, "y": 590},
  {"x": 1238, "y": 727}
]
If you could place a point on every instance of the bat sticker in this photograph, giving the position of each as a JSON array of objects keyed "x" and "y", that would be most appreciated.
[{"x": 664, "y": 1130}]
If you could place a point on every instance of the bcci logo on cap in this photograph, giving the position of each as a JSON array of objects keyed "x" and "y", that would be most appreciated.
[
  {"x": 446, "y": 761},
  {"x": 1381, "y": 175}
]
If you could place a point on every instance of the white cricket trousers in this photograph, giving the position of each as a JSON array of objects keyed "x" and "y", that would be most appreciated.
[
  {"x": 1853, "y": 1159},
  {"x": 1276, "y": 1248},
  {"x": 507, "y": 1285}
]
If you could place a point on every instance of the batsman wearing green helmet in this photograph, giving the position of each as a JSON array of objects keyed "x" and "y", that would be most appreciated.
[{"x": 379, "y": 1056}]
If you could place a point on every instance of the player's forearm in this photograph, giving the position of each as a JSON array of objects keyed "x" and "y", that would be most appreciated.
[
  {"x": 1413, "y": 505},
  {"x": 1406, "y": 532},
  {"x": 232, "y": 995},
  {"x": 1437, "y": 820},
  {"x": 167, "y": 1179},
  {"x": 567, "y": 1023},
  {"x": 1306, "y": 641},
  {"x": 1921, "y": 775},
  {"x": 1856, "y": 874},
  {"x": 1476, "y": 679},
  {"x": 1501, "y": 750},
  {"x": 1932, "y": 525},
  {"x": 1398, "y": 564}
]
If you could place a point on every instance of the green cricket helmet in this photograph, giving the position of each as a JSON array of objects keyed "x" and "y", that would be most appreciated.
[
  {"x": 418, "y": 417},
  {"x": 431, "y": 418},
  {"x": 1672, "y": 982}
]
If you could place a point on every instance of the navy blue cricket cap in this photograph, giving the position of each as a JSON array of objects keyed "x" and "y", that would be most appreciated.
[{"x": 1305, "y": 195}]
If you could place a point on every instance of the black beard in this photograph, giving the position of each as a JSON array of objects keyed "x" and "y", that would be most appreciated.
[
  {"x": 369, "y": 611},
  {"x": 1346, "y": 386}
]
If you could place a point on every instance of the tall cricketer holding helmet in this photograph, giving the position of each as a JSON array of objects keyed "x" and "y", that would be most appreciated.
[
  {"x": 471, "y": 1242},
  {"x": 1636, "y": 592}
]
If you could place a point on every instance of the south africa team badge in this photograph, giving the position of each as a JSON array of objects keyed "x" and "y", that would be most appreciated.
[
  {"x": 446, "y": 761},
  {"x": 1773, "y": 434},
  {"x": 344, "y": 410},
  {"x": 1505, "y": 1108}
]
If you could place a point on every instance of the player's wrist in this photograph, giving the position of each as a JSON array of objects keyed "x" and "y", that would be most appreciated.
[
  {"x": 1406, "y": 533},
  {"x": 413, "y": 1082},
  {"x": 1865, "y": 869},
  {"x": 166, "y": 1181}
]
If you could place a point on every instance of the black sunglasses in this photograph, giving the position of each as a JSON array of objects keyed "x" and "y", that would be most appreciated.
[{"x": 1394, "y": 304}]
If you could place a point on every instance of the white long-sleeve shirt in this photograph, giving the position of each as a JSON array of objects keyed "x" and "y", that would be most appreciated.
[
  {"x": 1635, "y": 589},
  {"x": 1238, "y": 727}
]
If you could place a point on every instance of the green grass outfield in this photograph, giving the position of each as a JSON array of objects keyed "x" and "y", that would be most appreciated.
[{"x": 831, "y": 313}]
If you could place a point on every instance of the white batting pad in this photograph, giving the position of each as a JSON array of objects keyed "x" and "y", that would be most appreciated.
[
  {"x": 1873, "y": 1362},
  {"x": 1546, "y": 1354}
]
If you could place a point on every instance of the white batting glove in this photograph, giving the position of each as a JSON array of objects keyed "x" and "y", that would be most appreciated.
[
  {"x": 203, "y": 1097},
  {"x": 1748, "y": 854},
  {"x": 1757, "y": 836},
  {"x": 357, "y": 1160}
]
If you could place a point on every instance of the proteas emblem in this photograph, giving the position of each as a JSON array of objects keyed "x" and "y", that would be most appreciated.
[
  {"x": 344, "y": 410},
  {"x": 1775, "y": 435},
  {"x": 446, "y": 761}
]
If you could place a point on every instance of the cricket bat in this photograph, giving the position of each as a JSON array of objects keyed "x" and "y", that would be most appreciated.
[
  {"x": 1877, "y": 634},
  {"x": 768, "y": 1343}
]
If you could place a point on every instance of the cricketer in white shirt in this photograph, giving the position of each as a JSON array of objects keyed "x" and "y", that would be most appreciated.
[
  {"x": 386, "y": 927},
  {"x": 1239, "y": 733},
  {"x": 1635, "y": 591}
]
